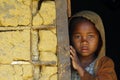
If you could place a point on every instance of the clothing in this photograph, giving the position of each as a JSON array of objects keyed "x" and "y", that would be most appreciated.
[
  {"x": 89, "y": 69},
  {"x": 104, "y": 66},
  {"x": 105, "y": 71}
]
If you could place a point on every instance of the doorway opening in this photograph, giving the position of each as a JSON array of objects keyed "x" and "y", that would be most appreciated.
[{"x": 109, "y": 11}]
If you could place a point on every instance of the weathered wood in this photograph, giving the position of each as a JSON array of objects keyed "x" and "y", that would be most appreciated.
[
  {"x": 45, "y": 63},
  {"x": 64, "y": 70},
  {"x": 69, "y": 7},
  {"x": 14, "y": 28},
  {"x": 44, "y": 27},
  {"x": 34, "y": 45}
]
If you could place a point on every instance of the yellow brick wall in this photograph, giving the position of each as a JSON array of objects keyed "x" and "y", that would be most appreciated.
[
  {"x": 28, "y": 40},
  {"x": 46, "y": 14},
  {"x": 15, "y": 12}
]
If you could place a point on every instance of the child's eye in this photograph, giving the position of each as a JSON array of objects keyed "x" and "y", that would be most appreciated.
[
  {"x": 77, "y": 36},
  {"x": 91, "y": 36}
]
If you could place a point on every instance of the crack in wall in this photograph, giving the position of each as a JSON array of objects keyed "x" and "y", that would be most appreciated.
[{"x": 52, "y": 75}]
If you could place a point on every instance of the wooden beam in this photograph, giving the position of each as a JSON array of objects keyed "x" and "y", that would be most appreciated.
[
  {"x": 64, "y": 70},
  {"x": 44, "y": 27},
  {"x": 69, "y": 7},
  {"x": 14, "y": 28}
]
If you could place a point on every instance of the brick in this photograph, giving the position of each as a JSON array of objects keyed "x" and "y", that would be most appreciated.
[
  {"x": 15, "y": 12},
  {"x": 37, "y": 20},
  {"x": 18, "y": 77},
  {"x": 46, "y": 14},
  {"x": 48, "y": 41},
  {"x": 15, "y": 45},
  {"x": 27, "y": 72},
  {"x": 47, "y": 56},
  {"x": 6, "y": 72},
  {"x": 48, "y": 72},
  {"x": 26, "y": 2},
  {"x": 16, "y": 72},
  {"x": 53, "y": 30},
  {"x": 54, "y": 77}
]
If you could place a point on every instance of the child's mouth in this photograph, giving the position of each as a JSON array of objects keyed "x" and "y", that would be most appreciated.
[{"x": 84, "y": 49}]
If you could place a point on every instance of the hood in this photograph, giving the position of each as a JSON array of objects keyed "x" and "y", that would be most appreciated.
[{"x": 95, "y": 18}]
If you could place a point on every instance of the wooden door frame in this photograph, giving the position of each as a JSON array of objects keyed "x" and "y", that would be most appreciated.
[{"x": 63, "y": 11}]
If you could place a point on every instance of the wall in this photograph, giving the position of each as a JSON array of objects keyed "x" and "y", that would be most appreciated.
[{"x": 28, "y": 40}]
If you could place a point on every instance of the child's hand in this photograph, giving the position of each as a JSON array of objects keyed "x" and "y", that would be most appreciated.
[{"x": 74, "y": 57}]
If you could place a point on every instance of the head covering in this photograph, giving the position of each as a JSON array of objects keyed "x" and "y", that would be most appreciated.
[{"x": 95, "y": 18}]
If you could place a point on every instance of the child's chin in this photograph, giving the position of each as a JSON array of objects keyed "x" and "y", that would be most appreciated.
[{"x": 84, "y": 54}]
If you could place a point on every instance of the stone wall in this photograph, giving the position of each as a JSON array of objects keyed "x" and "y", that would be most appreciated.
[{"x": 28, "y": 40}]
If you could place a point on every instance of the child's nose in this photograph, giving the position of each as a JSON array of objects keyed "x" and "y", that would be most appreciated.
[{"x": 84, "y": 40}]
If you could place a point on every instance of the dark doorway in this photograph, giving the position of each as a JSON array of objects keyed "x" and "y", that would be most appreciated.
[{"x": 109, "y": 10}]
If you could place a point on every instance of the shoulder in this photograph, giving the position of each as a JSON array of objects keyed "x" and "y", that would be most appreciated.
[
  {"x": 105, "y": 58},
  {"x": 106, "y": 61},
  {"x": 106, "y": 69}
]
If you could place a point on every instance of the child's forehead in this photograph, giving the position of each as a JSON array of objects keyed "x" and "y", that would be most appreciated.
[
  {"x": 85, "y": 26},
  {"x": 86, "y": 21},
  {"x": 79, "y": 19}
]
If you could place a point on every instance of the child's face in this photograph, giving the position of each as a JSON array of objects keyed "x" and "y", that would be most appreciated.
[{"x": 85, "y": 38}]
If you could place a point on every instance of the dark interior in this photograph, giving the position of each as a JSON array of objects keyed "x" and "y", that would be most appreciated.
[{"x": 109, "y": 10}]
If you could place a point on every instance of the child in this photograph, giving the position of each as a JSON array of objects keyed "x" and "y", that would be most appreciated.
[{"x": 87, "y": 50}]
